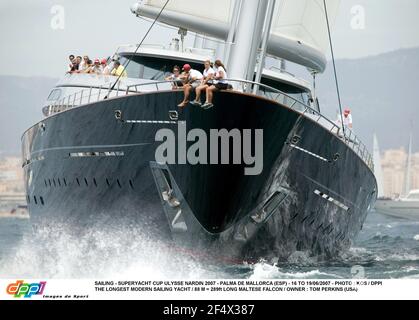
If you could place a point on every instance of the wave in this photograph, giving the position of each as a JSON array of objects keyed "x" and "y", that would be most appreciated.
[
  {"x": 123, "y": 252},
  {"x": 264, "y": 270}
]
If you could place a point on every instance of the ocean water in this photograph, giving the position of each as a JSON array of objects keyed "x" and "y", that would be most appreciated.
[{"x": 386, "y": 248}]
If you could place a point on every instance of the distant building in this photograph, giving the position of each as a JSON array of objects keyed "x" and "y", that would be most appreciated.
[
  {"x": 11, "y": 175},
  {"x": 393, "y": 164}
]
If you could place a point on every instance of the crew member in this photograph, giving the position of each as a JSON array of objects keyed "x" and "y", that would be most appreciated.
[
  {"x": 220, "y": 83},
  {"x": 193, "y": 80}
]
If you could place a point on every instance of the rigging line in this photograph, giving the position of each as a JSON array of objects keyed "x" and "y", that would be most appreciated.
[
  {"x": 334, "y": 67},
  {"x": 138, "y": 47}
]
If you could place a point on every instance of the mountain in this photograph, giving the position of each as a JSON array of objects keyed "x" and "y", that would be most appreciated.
[
  {"x": 21, "y": 101},
  {"x": 380, "y": 91}
]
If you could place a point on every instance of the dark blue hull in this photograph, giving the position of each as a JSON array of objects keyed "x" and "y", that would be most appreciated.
[{"x": 86, "y": 166}]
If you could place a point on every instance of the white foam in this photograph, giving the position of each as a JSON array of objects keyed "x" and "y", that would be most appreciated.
[
  {"x": 415, "y": 276},
  {"x": 125, "y": 252},
  {"x": 263, "y": 270},
  {"x": 358, "y": 250},
  {"x": 416, "y": 237}
]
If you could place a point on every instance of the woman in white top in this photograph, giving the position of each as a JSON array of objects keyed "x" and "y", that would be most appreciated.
[
  {"x": 205, "y": 83},
  {"x": 220, "y": 83},
  {"x": 85, "y": 65}
]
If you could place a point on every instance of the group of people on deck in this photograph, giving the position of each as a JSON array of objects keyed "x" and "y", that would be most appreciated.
[
  {"x": 85, "y": 65},
  {"x": 213, "y": 78}
]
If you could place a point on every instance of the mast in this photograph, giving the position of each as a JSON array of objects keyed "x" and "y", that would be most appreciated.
[
  {"x": 232, "y": 31},
  {"x": 266, "y": 33},
  {"x": 406, "y": 189},
  {"x": 242, "y": 61},
  {"x": 378, "y": 172}
]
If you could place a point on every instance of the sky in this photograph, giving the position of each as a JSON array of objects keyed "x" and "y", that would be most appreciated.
[{"x": 36, "y": 42}]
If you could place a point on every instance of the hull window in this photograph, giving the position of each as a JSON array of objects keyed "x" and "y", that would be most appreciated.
[
  {"x": 96, "y": 154},
  {"x": 308, "y": 152}
]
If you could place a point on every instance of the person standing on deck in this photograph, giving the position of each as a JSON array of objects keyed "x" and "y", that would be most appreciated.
[{"x": 347, "y": 120}]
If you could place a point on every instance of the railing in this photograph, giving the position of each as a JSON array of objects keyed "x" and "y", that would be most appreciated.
[
  {"x": 134, "y": 87},
  {"x": 98, "y": 93},
  {"x": 274, "y": 94},
  {"x": 85, "y": 96}
]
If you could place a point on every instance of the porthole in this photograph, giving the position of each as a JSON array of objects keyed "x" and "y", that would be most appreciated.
[
  {"x": 85, "y": 181},
  {"x": 107, "y": 182},
  {"x": 78, "y": 181},
  {"x": 59, "y": 182},
  {"x": 118, "y": 114},
  {"x": 295, "y": 139},
  {"x": 34, "y": 199},
  {"x": 42, "y": 200},
  {"x": 131, "y": 184},
  {"x": 65, "y": 182},
  {"x": 94, "y": 181},
  {"x": 119, "y": 184}
]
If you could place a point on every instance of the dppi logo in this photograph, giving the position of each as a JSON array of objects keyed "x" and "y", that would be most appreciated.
[{"x": 27, "y": 290}]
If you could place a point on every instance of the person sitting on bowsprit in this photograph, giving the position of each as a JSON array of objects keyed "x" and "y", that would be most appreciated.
[
  {"x": 220, "y": 83},
  {"x": 205, "y": 83},
  {"x": 193, "y": 80}
]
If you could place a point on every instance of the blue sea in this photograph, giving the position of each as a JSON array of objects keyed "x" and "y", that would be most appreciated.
[{"x": 386, "y": 248}]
